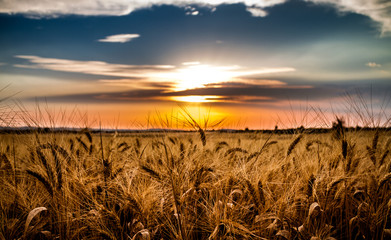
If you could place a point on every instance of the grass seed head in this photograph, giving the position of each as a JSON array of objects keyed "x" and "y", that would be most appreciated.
[{"x": 293, "y": 144}]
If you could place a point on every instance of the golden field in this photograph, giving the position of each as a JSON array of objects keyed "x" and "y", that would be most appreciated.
[{"x": 196, "y": 185}]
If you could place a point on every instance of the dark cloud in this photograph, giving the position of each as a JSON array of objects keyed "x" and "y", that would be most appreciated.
[
  {"x": 237, "y": 92},
  {"x": 145, "y": 95},
  {"x": 245, "y": 93},
  {"x": 275, "y": 93}
]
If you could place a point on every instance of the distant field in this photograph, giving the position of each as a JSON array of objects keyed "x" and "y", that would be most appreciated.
[{"x": 196, "y": 185}]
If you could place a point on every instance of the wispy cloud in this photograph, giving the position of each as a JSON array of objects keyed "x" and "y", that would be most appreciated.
[
  {"x": 378, "y": 10},
  {"x": 119, "y": 38},
  {"x": 137, "y": 84},
  {"x": 263, "y": 83},
  {"x": 93, "y": 67},
  {"x": 373, "y": 65},
  {"x": 188, "y": 76},
  {"x": 157, "y": 83}
]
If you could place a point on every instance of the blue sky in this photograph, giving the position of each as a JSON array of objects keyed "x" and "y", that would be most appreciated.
[{"x": 234, "y": 56}]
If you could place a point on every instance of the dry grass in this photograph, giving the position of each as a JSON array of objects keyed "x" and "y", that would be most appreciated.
[{"x": 198, "y": 185}]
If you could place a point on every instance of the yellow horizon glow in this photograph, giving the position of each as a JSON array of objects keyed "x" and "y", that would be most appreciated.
[{"x": 168, "y": 115}]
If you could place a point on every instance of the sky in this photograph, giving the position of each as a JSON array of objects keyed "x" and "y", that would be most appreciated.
[{"x": 143, "y": 64}]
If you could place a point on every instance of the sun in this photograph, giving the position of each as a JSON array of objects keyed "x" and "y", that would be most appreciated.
[
  {"x": 198, "y": 76},
  {"x": 194, "y": 75}
]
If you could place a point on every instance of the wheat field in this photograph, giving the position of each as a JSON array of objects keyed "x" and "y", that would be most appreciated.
[{"x": 196, "y": 185}]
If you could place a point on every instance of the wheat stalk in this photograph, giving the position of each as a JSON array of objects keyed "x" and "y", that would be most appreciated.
[
  {"x": 310, "y": 185},
  {"x": 293, "y": 144},
  {"x": 235, "y": 150},
  {"x": 383, "y": 157},
  {"x": 151, "y": 172},
  {"x": 375, "y": 140},
  {"x": 48, "y": 186}
]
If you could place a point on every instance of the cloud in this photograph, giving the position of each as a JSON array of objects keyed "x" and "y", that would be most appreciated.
[
  {"x": 119, "y": 38},
  {"x": 258, "y": 83},
  {"x": 46, "y": 8},
  {"x": 261, "y": 93},
  {"x": 188, "y": 76},
  {"x": 266, "y": 93},
  {"x": 257, "y": 12},
  {"x": 163, "y": 82},
  {"x": 155, "y": 83},
  {"x": 191, "y": 11},
  {"x": 93, "y": 67},
  {"x": 378, "y": 10},
  {"x": 224, "y": 94},
  {"x": 373, "y": 65},
  {"x": 137, "y": 83},
  {"x": 145, "y": 95}
]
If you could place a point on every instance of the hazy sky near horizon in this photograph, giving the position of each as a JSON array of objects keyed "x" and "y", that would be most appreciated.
[{"x": 249, "y": 60}]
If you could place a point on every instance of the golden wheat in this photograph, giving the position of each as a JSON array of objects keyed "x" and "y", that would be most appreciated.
[{"x": 164, "y": 186}]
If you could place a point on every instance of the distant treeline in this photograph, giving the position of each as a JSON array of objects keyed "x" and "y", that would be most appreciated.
[
  {"x": 307, "y": 130},
  {"x": 27, "y": 130}
]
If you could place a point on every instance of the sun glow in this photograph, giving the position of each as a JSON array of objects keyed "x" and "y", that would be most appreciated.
[
  {"x": 198, "y": 76},
  {"x": 195, "y": 75}
]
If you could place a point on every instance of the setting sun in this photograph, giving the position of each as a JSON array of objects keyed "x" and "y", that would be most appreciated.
[{"x": 198, "y": 76}]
